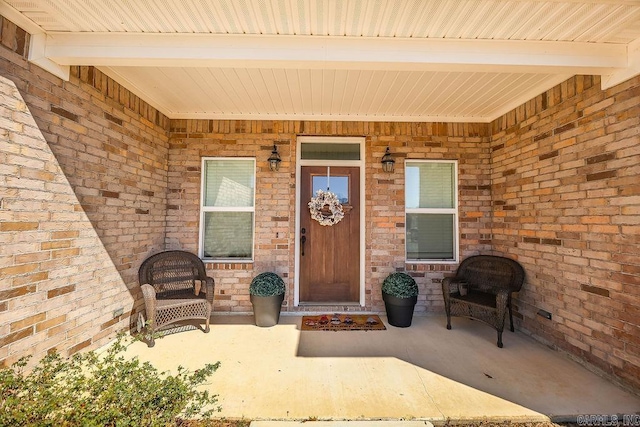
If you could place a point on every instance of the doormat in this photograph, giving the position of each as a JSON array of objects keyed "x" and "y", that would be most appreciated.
[{"x": 342, "y": 322}]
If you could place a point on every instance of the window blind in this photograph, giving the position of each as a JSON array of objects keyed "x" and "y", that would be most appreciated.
[
  {"x": 229, "y": 183},
  {"x": 431, "y": 185},
  {"x": 430, "y": 236}
]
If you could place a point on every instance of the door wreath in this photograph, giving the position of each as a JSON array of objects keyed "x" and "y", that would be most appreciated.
[{"x": 326, "y": 208}]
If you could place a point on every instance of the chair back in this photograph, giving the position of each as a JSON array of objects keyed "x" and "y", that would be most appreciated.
[
  {"x": 171, "y": 271},
  {"x": 491, "y": 272}
]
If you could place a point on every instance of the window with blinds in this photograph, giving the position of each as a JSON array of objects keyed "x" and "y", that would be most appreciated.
[
  {"x": 431, "y": 208},
  {"x": 227, "y": 210}
]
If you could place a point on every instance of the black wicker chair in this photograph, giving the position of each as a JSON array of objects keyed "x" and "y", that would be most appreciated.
[
  {"x": 176, "y": 288},
  {"x": 481, "y": 290}
]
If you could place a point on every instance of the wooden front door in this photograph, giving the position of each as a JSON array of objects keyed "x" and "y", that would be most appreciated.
[{"x": 330, "y": 255}]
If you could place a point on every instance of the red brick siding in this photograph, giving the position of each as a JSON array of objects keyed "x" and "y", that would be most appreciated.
[
  {"x": 566, "y": 193},
  {"x": 83, "y": 203},
  {"x": 275, "y": 197},
  {"x": 14, "y": 38}
]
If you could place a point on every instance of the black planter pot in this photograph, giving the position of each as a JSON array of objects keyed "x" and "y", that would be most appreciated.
[
  {"x": 399, "y": 310},
  {"x": 266, "y": 310}
]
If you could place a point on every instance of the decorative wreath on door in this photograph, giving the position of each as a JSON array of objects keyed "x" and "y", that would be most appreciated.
[{"x": 326, "y": 208}]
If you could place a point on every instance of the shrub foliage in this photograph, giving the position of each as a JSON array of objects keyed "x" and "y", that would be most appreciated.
[
  {"x": 400, "y": 285},
  {"x": 266, "y": 285},
  {"x": 92, "y": 389}
]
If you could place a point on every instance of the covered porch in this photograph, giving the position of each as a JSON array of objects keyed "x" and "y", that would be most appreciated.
[
  {"x": 108, "y": 120},
  {"x": 422, "y": 372}
]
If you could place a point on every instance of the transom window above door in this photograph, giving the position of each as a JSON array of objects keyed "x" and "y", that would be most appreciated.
[{"x": 329, "y": 151}]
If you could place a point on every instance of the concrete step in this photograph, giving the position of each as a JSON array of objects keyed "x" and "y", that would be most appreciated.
[{"x": 341, "y": 424}]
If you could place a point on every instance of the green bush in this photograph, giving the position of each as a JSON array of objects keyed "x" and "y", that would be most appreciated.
[
  {"x": 267, "y": 285},
  {"x": 92, "y": 389},
  {"x": 400, "y": 285}
]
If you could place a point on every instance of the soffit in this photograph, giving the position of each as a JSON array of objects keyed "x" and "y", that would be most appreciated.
[{"x": 415, "y": 60}]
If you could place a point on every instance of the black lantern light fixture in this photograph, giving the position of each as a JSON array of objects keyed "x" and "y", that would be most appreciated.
[
  {"x": 387, "y": 161},
  {"x": 274, "y": 159}
]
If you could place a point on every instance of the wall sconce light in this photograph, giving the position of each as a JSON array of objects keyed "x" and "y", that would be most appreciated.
[
  {"x": 274, "y": 159},
  {"x": 387, "y": 161}
]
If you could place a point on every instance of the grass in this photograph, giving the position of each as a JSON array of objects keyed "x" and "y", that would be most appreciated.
[{"x": 214, "y": 423}]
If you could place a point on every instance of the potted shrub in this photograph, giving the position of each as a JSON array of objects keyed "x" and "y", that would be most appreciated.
[
  {"x": 266, "y": 294},
  {"x": 400, "y": 294}
]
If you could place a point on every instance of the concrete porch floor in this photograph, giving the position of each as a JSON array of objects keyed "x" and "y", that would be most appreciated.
[{"x": 420, "y": 372}]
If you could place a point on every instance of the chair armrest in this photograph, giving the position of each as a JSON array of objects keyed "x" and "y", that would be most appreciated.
[
  {"x": 149, "y": 294},
  {"x": 210, "y": 286},
  {"x": 502, "y": 297},
  {"x": 450, "y": 284},
  {"x": 449, "y": 287}
]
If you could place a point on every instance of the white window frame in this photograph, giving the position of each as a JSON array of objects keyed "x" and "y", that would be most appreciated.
[
  {"x": 204, "y": 209},
  {"x": 453, "y": 210}
]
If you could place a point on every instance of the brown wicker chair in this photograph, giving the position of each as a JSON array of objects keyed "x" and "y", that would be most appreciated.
[
  {"x": 176, "y": 288},
  {"x": 489, "y": 282}
]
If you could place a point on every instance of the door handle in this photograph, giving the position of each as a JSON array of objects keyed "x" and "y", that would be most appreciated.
[{"x": 302, "y": 240}]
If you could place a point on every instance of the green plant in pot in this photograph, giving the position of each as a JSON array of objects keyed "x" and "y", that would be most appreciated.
[
  {"x": 400, "y": 294},
  {"x": 266, "y": 294}
]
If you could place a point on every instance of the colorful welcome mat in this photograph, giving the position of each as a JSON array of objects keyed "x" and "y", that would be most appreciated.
[{"x": 342, "y": 322}]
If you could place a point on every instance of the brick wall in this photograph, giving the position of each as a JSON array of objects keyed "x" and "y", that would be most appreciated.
[
  {"x": 566, "y": 194},
  {"x": 275, "y": 197},
  {"x": 82, "y": 203}
]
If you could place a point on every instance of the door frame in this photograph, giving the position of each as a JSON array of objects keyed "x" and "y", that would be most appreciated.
[{"x": 350, "y": 163}]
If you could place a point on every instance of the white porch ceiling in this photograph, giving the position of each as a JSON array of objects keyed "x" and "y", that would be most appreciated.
[{"x": 391, "y": 60}]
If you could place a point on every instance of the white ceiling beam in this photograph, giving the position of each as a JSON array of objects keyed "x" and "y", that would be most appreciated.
[
  {"x": 319, "y": 52},
  {"x": 632, "y": 69},
  {"x": 37, "y": 48},
  {"x": 616, "y": 2},
  {"x": 336, "y": 117},
  {"x": 37, "y": 43}
]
